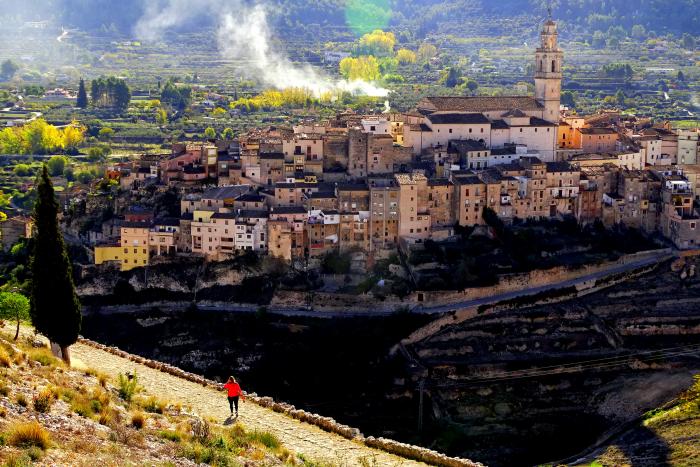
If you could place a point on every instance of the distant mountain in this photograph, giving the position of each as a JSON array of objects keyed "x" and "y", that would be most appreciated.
[{"x": 420, "y": 16}]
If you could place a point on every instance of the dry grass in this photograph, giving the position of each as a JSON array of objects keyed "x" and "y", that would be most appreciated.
[
  {"x": 43, "y": 401},
  {"x": 126, "y": 435},
  {"x": 138, "y": 420},
  {"x": 44, "y": 357},
  {"x": 152, "y": 405},
  {"x": 5, "y": 360},
  {"x": 28, "y": 434}
]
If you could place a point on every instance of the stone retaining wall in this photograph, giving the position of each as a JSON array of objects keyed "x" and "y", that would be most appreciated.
[{"x": 326, "y": 423}]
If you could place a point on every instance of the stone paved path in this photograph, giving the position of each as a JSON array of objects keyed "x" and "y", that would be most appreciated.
[{"x": 301, "y": 438}]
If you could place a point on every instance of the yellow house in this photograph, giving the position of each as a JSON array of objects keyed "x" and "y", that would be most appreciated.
[
  {"x": 133, "y": 251},
  {"x": 128, "y": 258}
]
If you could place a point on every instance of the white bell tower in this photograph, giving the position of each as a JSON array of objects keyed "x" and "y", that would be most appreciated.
[{"x": 548, "y": 63}]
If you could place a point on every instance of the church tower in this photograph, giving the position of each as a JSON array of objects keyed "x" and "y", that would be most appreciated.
[{"x": 548, "y": 63}]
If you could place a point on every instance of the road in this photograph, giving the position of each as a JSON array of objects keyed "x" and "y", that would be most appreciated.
[{"x": 421, "y": 309}]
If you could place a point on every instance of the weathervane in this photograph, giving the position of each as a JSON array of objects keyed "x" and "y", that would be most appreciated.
[{"x": 549, "y": 10}]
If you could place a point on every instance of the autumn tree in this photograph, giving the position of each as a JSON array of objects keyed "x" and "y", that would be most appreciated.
[
  {"x": 426, "y": 52},
  {"x": 406, "y": 57},
  {"x": 377, "y": 43},
  {"x": 54, "y": 305},
  {"x": 360, "y": 68}
]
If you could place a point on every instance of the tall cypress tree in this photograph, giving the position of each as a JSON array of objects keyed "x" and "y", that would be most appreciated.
[
  {"x": 54, "y": 305},
  {"x": 82, "y": 95}
]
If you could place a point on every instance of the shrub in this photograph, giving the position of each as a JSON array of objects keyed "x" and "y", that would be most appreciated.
[
  {"x": 268, "y": 440},
  {"x": 81, "y": 406},
  {"x": 200, "y": 429},
  {"x": 17, "y": 460},
  {"x": 153, "y": 405},
  {"x": 27, "y": 435},
  {"x": 21, "y": 400},
  {"x": 4, "y": 390},
  {"x": 43, "y": 401},
  {"x": 128, "y": 387},
  {"x": 126, "y": 435},
  {"x": 35, "y": 453},
  {"x": 138, "y": 420},
  {"x": 173, "y": 436},
  {"x": 5, "y": 360},
  {"x": 105, "y": 418},
  {"x": 44, "y": 357}
]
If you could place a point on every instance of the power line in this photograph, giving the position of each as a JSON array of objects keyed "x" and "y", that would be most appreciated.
[{"x": 577, "y": 367}]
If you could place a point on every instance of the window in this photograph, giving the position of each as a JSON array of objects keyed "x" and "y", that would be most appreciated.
[{"x": 554, "y": 66}]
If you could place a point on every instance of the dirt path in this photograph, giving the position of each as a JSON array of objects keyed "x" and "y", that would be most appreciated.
[{"x": 302, "y": 438}]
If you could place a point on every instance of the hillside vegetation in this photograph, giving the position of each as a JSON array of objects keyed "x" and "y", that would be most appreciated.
[
  {"x": 662, "y": 16},
  {"x": 667, "y": 436},
  {"x": 54, "y": 415}
]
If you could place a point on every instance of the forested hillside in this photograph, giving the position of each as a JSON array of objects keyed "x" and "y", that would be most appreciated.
[{"x": 421, "y": 16}]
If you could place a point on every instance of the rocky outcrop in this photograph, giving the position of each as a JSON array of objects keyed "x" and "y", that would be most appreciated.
[{"x": 519, "y": 376}]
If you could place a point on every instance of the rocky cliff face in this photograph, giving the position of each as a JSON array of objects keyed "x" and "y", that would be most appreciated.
[{"x": 544, "y": 382}]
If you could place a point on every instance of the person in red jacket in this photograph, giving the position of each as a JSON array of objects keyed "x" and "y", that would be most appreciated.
[{"x": 234, "y": 392}]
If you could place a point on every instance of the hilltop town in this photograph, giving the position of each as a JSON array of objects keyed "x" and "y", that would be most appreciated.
[{"x": 371, "y": 184}]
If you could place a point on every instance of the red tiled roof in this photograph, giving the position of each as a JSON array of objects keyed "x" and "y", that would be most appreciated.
[{"x": 479, "y": 103}]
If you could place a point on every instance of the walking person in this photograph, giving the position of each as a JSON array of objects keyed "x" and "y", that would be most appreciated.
[{"x": 234, "y": 392}]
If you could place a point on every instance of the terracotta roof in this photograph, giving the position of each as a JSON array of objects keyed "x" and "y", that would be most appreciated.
[
  {"x": 443, "y": 118},
  {"x": 598, "y": 131},
  {"x": 479, "y": 103}
]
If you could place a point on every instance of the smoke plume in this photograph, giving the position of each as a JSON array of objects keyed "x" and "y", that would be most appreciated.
[{"x": 244, "y": 35}]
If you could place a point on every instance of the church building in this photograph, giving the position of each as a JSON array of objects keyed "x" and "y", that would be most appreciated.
[{"x": 501, "y": 121}]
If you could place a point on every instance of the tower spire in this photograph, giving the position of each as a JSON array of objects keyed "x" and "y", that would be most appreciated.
[{"x": 549, "y": 10}]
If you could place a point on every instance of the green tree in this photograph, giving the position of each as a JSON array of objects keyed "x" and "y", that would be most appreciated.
[
  {"x": 688, "y": 42},
  {"x": 161, "y": 116},
  {"x": 14, "y": 306},
  {"x": 227, "y": 134},
  {"x": 54, "y": 305},
  {"x": 471, "y": 85},
  {"x": 111, "y": 93},
  {"x": 106, "y": 133},
  {"x": 620, "y": 97},
  {"x": 23, "y": 170},
  {"x": 638, "y": 32},
  {"x": 8, "y": 70},
  {"x": 210, "y": 133},
  {"x": 598, "y": 41},
  {"x": 680, "y": 77},
  {"x": 56, "y": 165},
  {"x": 568, "y": 98},
  {"x": 176, "y": 97},
  {"x": 450, "y": 77},
  {"x": 82, "y": 95}
]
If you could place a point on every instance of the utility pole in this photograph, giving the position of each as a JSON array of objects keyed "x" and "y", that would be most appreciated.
[{"x": 421, "y": 389}]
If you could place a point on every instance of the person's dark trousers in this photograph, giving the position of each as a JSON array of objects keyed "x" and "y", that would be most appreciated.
[{"x": 233, "y": 403}]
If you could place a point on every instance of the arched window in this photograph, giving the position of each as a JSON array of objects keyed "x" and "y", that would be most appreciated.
[
  {"x": 554, "y": 66},
  {"x": 541, "y": 66}
]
